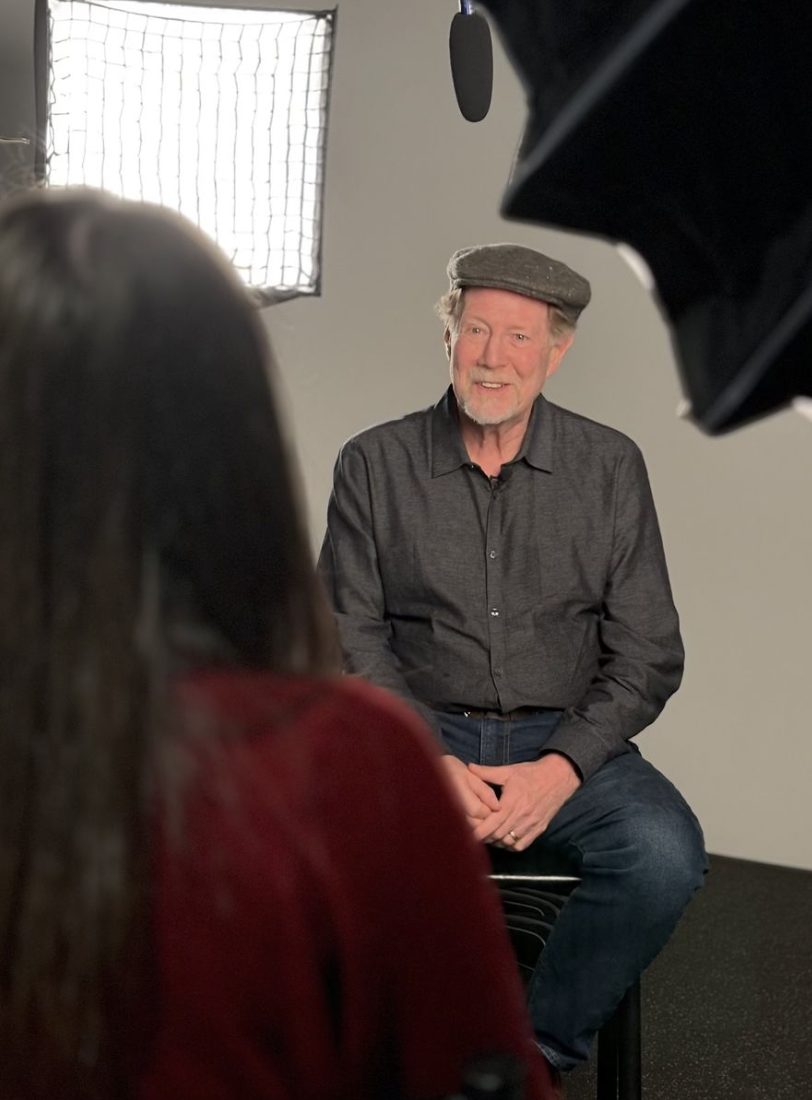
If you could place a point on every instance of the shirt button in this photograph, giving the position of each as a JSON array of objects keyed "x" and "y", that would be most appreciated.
[
  {"x": 492, "y": 554},
  {"x": 494, "y": 611},
  {"x": 497, "y": 672}
]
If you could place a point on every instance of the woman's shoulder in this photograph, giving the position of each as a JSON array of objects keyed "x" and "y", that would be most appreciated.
[
  {"x": 345, "y": 760},
  {"x": 328, "y": 709}
]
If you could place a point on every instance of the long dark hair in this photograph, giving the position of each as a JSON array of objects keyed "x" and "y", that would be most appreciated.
[{"x": 149, "y": 518}]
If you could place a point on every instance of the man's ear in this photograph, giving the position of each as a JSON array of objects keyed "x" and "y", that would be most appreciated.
[
  {"x": 447, "y": 341},
  {"x": 557, "y": 353}
]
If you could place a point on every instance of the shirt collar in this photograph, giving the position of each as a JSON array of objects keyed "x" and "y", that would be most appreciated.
[
  {"x": 537, "y": 445},
  {"x": 447, "y": 448},
  {"x": 448, "y": 451}
]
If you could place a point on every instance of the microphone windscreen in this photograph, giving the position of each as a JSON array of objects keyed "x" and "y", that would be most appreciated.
[{"x": 471, "y": 64}]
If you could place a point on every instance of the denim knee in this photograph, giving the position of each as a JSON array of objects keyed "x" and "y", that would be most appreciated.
[{"x": 666, "y": 859}]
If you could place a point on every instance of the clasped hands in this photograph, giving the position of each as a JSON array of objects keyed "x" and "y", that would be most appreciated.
[{"x": 532, "y": 794}]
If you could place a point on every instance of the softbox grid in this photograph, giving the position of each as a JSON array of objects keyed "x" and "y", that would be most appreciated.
[{"x": 219, "y": 113}]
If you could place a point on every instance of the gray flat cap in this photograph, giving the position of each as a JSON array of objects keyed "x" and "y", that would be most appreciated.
[{"x": 522, "y": 271}]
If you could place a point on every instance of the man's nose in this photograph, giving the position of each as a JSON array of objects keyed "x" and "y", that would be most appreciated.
[{"x": 493, "y": 352}]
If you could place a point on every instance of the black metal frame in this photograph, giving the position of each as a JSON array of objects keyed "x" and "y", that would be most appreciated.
[{"x": 42, "y": 46}]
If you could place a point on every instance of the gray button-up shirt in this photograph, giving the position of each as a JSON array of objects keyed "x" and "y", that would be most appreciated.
[{"x": 544, "y": 587}]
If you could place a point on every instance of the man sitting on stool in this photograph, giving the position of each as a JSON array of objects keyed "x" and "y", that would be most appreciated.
[{"x": 497, "y": 562}]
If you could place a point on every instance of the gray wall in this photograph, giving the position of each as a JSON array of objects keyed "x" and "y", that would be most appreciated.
[
  {"x": 16, "y": 89},
  {"x": 408, "y": 181}
]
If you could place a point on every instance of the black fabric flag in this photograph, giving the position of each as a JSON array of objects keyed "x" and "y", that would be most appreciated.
[{"x": 683, "y": 128}]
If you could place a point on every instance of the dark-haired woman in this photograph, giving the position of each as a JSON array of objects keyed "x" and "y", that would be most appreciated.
[{"x": 225, "y": 872}]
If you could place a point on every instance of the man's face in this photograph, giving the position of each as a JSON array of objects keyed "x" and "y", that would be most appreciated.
[{"x": 501, "y": 355}]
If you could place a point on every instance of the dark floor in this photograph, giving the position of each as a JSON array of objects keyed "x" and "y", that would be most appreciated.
[{"x": 727, "y": 1007}]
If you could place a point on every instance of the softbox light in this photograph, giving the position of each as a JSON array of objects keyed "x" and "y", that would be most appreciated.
[{"x": 683, "y": 128}]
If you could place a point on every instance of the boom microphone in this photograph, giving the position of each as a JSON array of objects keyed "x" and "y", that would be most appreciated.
[{"x": 471, "y": 62}]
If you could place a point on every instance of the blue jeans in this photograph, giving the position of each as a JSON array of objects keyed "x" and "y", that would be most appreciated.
[{"x": 638, "y": 850}]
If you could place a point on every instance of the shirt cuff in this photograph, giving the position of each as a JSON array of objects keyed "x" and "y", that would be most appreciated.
[{"x": 583, "y": 747}]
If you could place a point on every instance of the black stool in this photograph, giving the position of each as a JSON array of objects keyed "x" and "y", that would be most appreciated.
[{"x": 531, "y": 903}]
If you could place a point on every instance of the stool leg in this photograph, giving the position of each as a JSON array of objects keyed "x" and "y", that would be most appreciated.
[
  {"x": 619, "y": 1055},
  {"x": 608, "y": 1039},
  {"x": 629, "y": 1055}
]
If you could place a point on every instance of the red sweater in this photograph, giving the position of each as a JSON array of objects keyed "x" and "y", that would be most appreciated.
[{"x": 324, "y": 926}]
